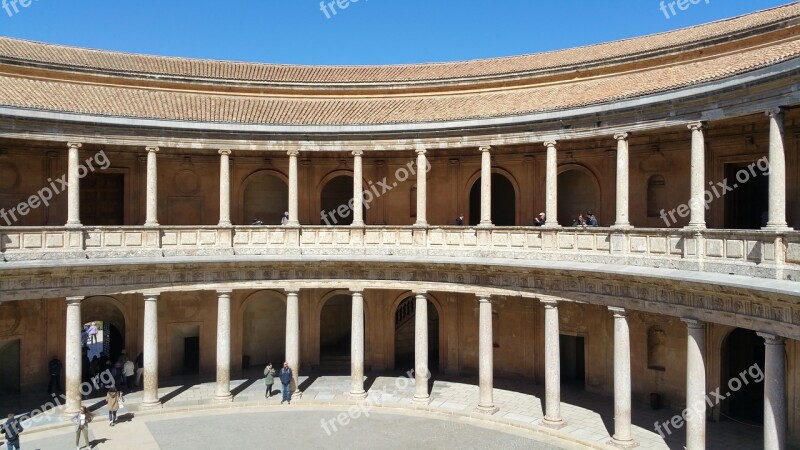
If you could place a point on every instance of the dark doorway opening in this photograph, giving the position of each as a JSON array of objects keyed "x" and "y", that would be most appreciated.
[
  {"x": 573, "y": 360},
  {"x": 577, "y": 194},
  {"x": 746, "y": 205},
  {"x": 191, "y": 355},
  {"x": 334, "y": 201},
  {"x": 10, "y": 367},
  {"x": 743, "y": 357},
  {"x": 266, "y": 198},
  {"x": 404, "y": 333},
  {"x": 335, "y": 332},
  {"x": 504, "y": 202},
  {"x": 103, "y": 199}
]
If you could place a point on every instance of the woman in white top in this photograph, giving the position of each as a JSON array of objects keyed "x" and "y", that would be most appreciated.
[{"x": 81, "y": 421}]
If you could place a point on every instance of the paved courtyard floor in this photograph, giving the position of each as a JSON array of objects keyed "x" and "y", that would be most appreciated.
[{"x": 189, "y": 415}]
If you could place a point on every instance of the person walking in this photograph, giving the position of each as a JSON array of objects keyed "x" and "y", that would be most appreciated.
[
  {"x": 54, "y": 367},
  {"x": 92, "y": 333},
  {"x": 269, "y": 379},
  {"x": 81, "y": 421},
  {"x": 286, "y": 380},
  {"x": 113, "y": 401},
  {"x": 12, "y": 429},
  {"x": 128, "y": 371}
]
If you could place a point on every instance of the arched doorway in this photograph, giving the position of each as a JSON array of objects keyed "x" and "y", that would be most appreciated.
[
  {"x": 743, "y": 360},
  {"x": 504, "y": 202},
  {"x": 404, "y": 331},
  {"x": 335, "y": 332},
  {"x": 335, "y": 199},
  {"x": 578, "y": 193},
  {"x": 265, "y": 198},
  {"x": 108, "y": 350},
  {"x": 263, "y": 330}
]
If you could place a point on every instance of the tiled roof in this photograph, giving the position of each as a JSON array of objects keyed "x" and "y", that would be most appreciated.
[{"x": 17, "y": 51}]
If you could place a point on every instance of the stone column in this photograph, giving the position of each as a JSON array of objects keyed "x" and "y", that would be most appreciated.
[
  {"x": 293, "y": 333},
  {"x": 486, "y": 187},
  {"x": 357, "y": 347},
  {"x": 777, "y": 172},
  {"x": 421, "y": 373},
  {"x": 358, "y": 190},
  {"x": 294, "y": 220},
  {"x": 224, "y": 188},
  {"x": 622, "y": 381},
  {"x": 73, "y": 364},
  {"x": 223, "y": 392},
  {"x": 422, "y": 186},
  {"x": 696, "y": 385},
  {"x": 552, "y": 367},
  {"x": 697, "y": 205},
  {"x": 152, "y": 188},
  {"x": 73, "y": 186},
  {"x": 623, "y": 189},
  {"x": 150, "y": 352},
  {"x": 485, "y": 356},
  {"x": 551, "y": 188},
  {"x": 775, "y": 410}
]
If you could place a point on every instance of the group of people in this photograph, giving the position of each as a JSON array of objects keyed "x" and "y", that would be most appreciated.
[
  {"x": 284, "y": 220},
  {"x": 285, "y": 376},
  {"x": 589, "y": 220}
]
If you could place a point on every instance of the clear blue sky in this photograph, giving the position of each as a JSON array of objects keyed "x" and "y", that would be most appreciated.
[{"x": 366, "y": 32}]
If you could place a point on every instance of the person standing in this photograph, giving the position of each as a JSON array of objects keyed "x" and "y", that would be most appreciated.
[
  {"x": 285, "y": 218},
  {"x": 12, "y": 429},
  {"x": 269, "y": 379},
  {"x": 54, "y": 367},
  {"x": 81, "y": 421},
  {"x": 139, "y": 369},
  {"x": 92, "y": 333},
  {"x": 113, "y": 398},
  {"x": 128, "y": 371},
  {"x": 591, "y": 220},
  {"x": 286, "y": 381},
  {"x": 539, "y": 220},
  {"x": 460, "y": 220}
]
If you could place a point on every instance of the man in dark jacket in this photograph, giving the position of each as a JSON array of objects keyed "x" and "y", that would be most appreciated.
[
  {"x": 286, "y": 381},
  {"x": 55, "y": 375},
  {"x": 12, "y": 429}
]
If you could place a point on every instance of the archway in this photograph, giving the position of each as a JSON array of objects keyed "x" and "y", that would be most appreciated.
[
  {"x": 10, "y": 365},
  {"x": 263, "y": 330},
  {"x": 743, "y": 360},
  {"x": 335, "y": 332},
  {"x": 578, "y": 193},
  {"x": 108, "y": 351},
  {"x": 404, "y": 331},
  {"x": 504, "y": 202},
  {"x": 335, "y": 198},
  {"x": 265, "y": 198}
]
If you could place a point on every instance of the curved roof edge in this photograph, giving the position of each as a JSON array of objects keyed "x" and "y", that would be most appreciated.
[{"x": 18, "y": 52}]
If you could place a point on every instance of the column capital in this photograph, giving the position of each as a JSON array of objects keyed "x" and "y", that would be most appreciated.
[
  {"x": 357, "y": 292},
  {"x": 151, "y": 296},
  {"x": 618, "y": 312},
  {"x": 696, "y": 126},
  {"x": 290, "y": 291},
  {"x": 74, "y": 300},
  {"x": 550, "y": 143},
  {"x": 358, "y": 152},
  {"x": 74, "y": 145},
  {"x": 420, "y": 150},
  {"x": 776, "y": 111},
  {"x": 151, "y": 149},
  {"x": 694, "y": 323},
  {"x": 418, "y": 293},
  {"x": 225, "y": 151},
  {"x": 484, "y": 148},
  {"x": 549, "y": 303},
  {"x": 224, "y": 292},
  {"x": 621, "y": 136},
  {"x": 484, "y": 298},
  {"x": 293, "y": 152},
  {"x": 772, "y": 339}
]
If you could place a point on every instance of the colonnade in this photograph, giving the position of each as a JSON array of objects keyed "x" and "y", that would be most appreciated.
[
  {"x": 775, "y": 408},
  {"x": 777, "y": 182}
]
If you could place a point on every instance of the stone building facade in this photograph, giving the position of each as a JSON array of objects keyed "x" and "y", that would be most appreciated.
[{"x": 130, "y": 186}]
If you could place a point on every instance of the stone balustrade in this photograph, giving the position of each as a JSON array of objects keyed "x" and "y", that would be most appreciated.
[{"x": 763, "y": 254}]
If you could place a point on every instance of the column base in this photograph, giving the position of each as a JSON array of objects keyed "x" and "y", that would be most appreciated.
[
  {"x": 551, "y": 225},
  {"x": 624, "y": 226},
  {"x": 359, "y": 395},
  {"x": 630, "y": 443},
  {"x": 73, "y": 225},
  {"x": 150, "y": 405},
  {"x": 420, "y": 225},
  {"x": 485, "y": 225},
  {"x": 420, "y": 400},
  {"x": 554, "y": 424},
  {"x": 225, "y": 224},
  {"x": 488, "y": 410},
  {"x": 695, "y": 227},
  {"x": 222, "y": 398},
  {"x": 781, "y": 227},
  {"x": 151, "y": 224},
  {"x": 292, "y": 224}
]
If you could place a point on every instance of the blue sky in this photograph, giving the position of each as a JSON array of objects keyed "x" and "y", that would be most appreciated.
[{"x": 365, "y": 32}]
